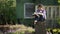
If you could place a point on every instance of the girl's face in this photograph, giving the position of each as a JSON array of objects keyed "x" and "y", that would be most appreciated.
[{"x": 39, "y": 8}]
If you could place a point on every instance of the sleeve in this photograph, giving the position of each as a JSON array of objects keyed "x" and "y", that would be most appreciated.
[{"x": 44, "y": 14}]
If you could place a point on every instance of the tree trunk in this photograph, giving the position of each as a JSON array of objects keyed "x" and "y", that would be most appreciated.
[{"x": 40, "y": 28}]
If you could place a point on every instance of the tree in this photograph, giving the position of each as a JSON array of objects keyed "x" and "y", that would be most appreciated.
[
  {"x": 7, "y": 11},
  {"x": 40, "y": 28}
]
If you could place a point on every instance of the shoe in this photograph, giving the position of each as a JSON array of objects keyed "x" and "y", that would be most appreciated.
[{"x": 35, "y": 21}]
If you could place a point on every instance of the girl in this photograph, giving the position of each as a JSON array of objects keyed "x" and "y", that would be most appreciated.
[{"x": 40, "y": 14}]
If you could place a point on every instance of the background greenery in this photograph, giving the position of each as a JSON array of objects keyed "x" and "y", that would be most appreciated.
[{"x": 7, "y": 11}]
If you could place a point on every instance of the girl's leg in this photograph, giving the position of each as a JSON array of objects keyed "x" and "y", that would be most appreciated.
[{"x": 36, "y": 19}]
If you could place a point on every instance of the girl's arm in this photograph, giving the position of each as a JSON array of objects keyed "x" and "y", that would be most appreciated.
[{"x": 44, "y": 14}]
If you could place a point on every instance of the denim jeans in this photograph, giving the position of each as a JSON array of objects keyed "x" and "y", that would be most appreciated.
[{"x": 40, "y": 18}]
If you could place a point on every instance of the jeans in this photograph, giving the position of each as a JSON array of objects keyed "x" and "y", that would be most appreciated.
[{"x": 40, "y": 18}]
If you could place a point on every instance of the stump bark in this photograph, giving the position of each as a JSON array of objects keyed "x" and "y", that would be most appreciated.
[{"x": 40, "y": 28}]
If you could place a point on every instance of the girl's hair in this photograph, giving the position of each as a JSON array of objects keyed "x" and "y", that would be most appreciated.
[{"x": 40, "y": 5}]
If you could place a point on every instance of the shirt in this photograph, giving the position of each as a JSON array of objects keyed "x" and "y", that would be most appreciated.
[{"x": 41, "y": 12}]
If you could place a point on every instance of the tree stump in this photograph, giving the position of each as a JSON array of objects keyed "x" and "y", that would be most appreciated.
[{"x": 40, "y": 28}]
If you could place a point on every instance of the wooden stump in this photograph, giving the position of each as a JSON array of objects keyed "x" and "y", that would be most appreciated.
[{"x": 40, "y": 28}]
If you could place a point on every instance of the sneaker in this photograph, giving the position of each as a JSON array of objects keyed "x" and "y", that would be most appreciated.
[{"x": 35, "y": 21}]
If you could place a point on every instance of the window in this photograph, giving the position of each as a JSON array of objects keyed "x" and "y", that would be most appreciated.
[{"x": 29, "y": 9}]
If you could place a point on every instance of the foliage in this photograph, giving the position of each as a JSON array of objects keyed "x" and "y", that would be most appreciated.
[
  {"x": 58, "y": 1},
  {"x": 7, "y": 11},
  {"x": 54, "y": 30},
  {"x": 58, "y": 19}
]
